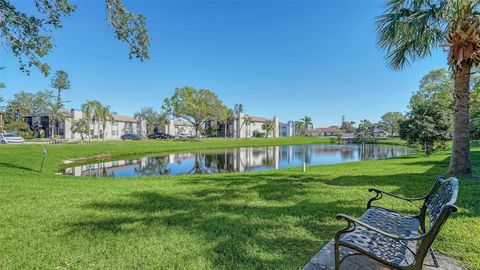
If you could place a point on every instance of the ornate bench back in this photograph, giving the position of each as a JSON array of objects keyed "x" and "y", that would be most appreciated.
[
  {"x": 443, "y": 194},
  {"x": 439, "y": 204}
]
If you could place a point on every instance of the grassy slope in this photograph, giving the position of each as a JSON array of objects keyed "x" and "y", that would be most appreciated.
[{"x": 274, "y": 219}]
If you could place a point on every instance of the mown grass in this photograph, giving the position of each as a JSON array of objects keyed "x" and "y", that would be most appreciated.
[{"x": 263, "y": 220}]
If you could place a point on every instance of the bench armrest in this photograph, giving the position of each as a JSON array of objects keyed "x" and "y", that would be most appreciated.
[
  {"x": 379, "y": 195},
  {"x": 355, "y": 222}
]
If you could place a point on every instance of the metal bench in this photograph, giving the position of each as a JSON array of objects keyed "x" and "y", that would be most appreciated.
[{"x": 397, "y": 240}]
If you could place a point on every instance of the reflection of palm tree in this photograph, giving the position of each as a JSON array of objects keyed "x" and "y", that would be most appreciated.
[
  {"x": 153, "y": 166},
  {"x": 197, "y": 167},
  {"x": 104, "y": 170},
  {"x": 269, "y": 160},
  {"x": 347, "y": 153},
  {"x": 308, "y": 154}
]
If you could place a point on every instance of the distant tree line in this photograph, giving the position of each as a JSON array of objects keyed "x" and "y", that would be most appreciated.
[
  {"x": 26, "y": 103},
  {"x": 429, "y": 120}
]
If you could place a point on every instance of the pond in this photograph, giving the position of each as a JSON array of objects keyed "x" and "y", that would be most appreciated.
[{"x": 241, "y": 159}]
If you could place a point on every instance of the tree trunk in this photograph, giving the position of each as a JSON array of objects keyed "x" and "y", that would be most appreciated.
[
  {"x": 89, "y": 131},
  {"x": 460, "y": 161},
  {"x": 58, "y": 96},
  {"x": 53, "y": 129},
  {"x": 197, "y": 131}
]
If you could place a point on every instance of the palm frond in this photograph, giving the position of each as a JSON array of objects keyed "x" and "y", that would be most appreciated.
[{"x": 409, "y": 29}]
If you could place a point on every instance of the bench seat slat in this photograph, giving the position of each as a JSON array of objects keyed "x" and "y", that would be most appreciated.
[
  {"x": 387, "y": 249},
  {"x": 392, "y": 222}
]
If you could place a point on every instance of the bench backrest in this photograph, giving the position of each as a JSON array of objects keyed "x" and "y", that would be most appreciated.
[
  {"x": 444, "y": 193},
  {"x": 439, "y": 204}
]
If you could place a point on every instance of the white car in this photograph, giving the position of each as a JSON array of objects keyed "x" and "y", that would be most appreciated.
[
  {"x": 10, "y": 138},
  {"x": 184, "y": 136}
]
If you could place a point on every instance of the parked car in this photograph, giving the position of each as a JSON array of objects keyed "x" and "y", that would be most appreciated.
[
  {"x": 160, "y": 135},
  {"x": 184, "y": 136},
  {"x": 130, "y": 136},
  {"x": 170, "y": 136},
  {"x": 10, "y": 138}
]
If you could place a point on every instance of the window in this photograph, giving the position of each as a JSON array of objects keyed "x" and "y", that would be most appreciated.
[{"x": 114, "y": 133}]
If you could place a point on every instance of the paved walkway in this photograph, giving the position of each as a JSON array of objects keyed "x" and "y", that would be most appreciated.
[{"x": 324, "y": 260}]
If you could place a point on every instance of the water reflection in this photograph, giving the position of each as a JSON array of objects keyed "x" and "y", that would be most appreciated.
[{"x": 240, "y": 159}]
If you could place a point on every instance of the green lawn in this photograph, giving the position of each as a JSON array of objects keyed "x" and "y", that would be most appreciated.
[{"x": 265, "y": 220}]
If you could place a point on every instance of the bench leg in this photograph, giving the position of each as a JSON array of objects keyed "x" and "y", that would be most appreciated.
[
  {"x": 336, "y": 250},
  {"x": 434, "y": 259}
]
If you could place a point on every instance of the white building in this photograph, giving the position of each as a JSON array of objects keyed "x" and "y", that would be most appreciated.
[
  {"x": 242, "y": 126},
  {"x": 114, "y": 128},
  {"x": 178, "y": 126},
  {"x": 243, "y": 129}
]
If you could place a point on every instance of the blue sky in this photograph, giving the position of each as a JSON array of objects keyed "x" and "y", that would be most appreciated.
[{"x": 283, "y": 58}]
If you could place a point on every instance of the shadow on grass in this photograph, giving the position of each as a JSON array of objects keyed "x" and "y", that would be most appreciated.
[
  {"x": 287, "y": 215},
  {"x": 17, "y": 167},
  {"x": 274, "y": 221}
]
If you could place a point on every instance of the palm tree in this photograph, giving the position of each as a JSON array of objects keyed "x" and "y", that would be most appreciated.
[
  {"x": 229, "y": 117},
  {"x": 307, "y": 124},
  {"x": 299, "y": 128},
  {"x": 1, "y": 123},
  {"x": 409, "y": 30},
  {"x": 81, "y": 126},
  {"x": 104, "y": 115},
  {"x": 247, "y": 121},
  {"x": 56, "y": 116},
  {"x": 88, "y": 109},
  {"x": 97, "y": 110},
  {"x": 365, "y": 127},
  {"x": 267, "y": 126}
]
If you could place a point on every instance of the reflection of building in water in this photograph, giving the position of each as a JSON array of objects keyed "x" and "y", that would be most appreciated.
[
  {"x": 230, "y": 160},
  {"x": 237, "y": 160},
  {"x": 103, "y": 169}
]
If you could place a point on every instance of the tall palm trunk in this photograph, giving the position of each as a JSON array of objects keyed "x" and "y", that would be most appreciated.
[
  {"x": 103, "y": 131},
  {"x": 460, "y": 161},
  {"x": 98, "y": 130},
  {"x": 59, "y": 99},
  {"x": 89, "y": 129}
]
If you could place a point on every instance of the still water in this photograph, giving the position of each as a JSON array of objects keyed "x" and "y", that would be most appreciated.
[{"x": 241, "y": 159}]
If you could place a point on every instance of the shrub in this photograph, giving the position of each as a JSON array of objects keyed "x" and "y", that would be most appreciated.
[{"x": 259, "y": 135}]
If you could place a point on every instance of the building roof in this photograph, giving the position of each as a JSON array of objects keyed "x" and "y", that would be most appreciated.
[
  {"x": 123, "y": 118},
  {"x": 328, "y": 130},
  {"x": 258, "y": 118},
  {"x": 181, "y": 122},
  {"x": 47, "y": 112}
]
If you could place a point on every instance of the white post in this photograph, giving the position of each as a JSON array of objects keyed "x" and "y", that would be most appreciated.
[
  {"x": 241, "y": 126},
  {"x": 276, "y": 127},
  {"x": 171, "y": 128}
]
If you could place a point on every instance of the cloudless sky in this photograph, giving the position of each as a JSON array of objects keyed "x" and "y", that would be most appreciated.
[{"x": 277, "y": 58}]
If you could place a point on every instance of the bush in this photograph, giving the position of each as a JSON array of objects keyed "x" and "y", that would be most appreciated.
[
  {"x": 339, "y": 138},
  {"x": 16, "y": 126}
]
